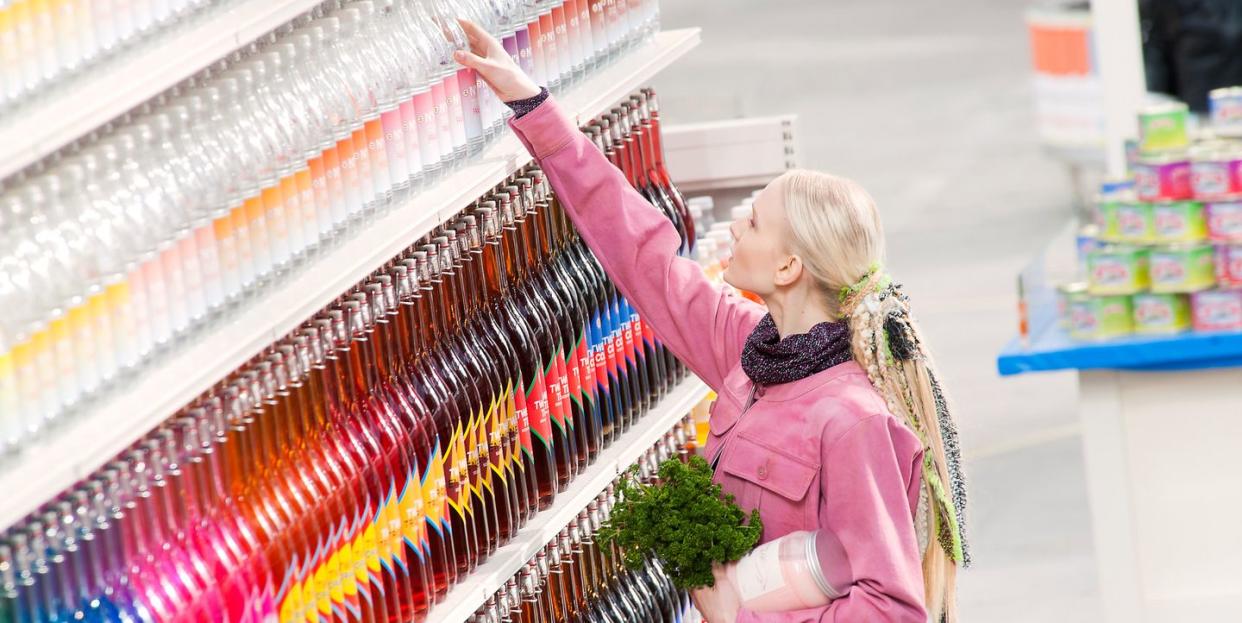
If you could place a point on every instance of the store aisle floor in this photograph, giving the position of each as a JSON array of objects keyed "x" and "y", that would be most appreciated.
[{"x": 928, "y": 105}]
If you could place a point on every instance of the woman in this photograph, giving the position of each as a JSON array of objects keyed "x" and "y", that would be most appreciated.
[{"x": 829, "y": 417}]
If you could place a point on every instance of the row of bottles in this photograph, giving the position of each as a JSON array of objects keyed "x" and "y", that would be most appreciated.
[
  {"x": 43, "y": 42},
  {"x": 130, "y": 242},
  {"x": 579, "y": 579},
  {"x": 360, "y": 467}
]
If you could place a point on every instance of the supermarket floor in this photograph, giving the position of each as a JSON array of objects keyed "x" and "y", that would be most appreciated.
[{"x": 928, "y": 105}]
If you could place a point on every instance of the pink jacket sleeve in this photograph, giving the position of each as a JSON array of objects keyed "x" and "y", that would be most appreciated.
[
  {"x": 637, "y": 246},
  {"x": 868, "y": 488}
]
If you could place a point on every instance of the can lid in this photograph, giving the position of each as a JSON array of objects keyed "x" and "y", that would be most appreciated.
[
  {"x": 1075, "y": 287},
  {"x": 1164, "y": 157},
  {"x": 1224, "y": 92},
  {"x": 1162, "y": 108},
  {"x": 1181, "y": 247}
]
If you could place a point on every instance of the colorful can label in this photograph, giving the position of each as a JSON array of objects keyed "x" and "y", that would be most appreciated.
[
  {"x": 1161, "y": 313},
  {"x": 1179, "y": 221},
  {"x": 1118, "y": 270},
  {"x": 1210, "y": 178},
  {"x": 1135, "y": 223},
  {"x": 1101, "y": 317},
  {"x": 1217, "y": 310},
  {"x": 1163, "y": 127},
  {"x": 1067, "y": 294},
  {"x": 1229, "y": 265},
  {"x": 1163, "y": 179},
  {"x": 1107, "y": 220},
  {"x": 1225, "y": 110},
  {"x": 1224, "y": 221},
  {"x": 1182, "y": 268}
]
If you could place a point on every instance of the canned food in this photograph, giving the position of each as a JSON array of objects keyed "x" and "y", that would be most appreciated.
[
  {"x": 1135, "y": 223},
  {"x": 1163, "y": 127},
  {"x": 1161, "y": 313},
  {"x": 1067, "y": 293},
  {"x": 1183, "y": 268},
  {"x": 1118, "y": 269},
  {"x": 1225, "y": 110},
  {"x": 1178, "y": 221},
  {"x": 1106, "y": 219},
  {"x": 1217, "y": 310},
  {"x": 1216, "y": 169},
  {"x": 1224, "y": 220},
  {"x": 1088, "y": 240},
  {"x": 1164, "y": 177},
  {"x": 1229, "y": 265},
  {"x": 1101, "y": 317}
]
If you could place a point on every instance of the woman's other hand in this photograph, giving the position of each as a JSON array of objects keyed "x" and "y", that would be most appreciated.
[
  {"x": 719, "y": 603},
  {"x": 489, "y": 58}
]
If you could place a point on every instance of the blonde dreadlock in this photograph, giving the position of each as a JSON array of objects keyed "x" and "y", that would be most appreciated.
[{"x": 836, "y": 230}]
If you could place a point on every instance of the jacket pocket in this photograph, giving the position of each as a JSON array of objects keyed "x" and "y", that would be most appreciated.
[{"x": 776, "y": 482}]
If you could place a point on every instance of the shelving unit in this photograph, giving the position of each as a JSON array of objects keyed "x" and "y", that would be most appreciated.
[
  {"x": 465, "y": 598},
  {"x": 74, "y": 450},
  {"x": 116, "y": 85}
]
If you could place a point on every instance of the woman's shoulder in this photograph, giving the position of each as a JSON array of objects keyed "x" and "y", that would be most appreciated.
[{"x": 839, "y": 399}]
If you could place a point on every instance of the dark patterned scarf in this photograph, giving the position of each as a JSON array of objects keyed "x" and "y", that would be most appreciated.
[{"x": 770, "y": 360}]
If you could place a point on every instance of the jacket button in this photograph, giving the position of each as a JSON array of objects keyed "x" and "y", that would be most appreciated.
[{"x": 763, "y": 472}]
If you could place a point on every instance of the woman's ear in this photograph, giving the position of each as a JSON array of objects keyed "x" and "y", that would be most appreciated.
[{"x": 789, "y": 271}]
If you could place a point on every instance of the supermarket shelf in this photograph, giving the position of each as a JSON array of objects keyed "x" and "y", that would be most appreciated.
[
  {"x": 465, "y": 598},
  {"x": 79, "y": 447},
  {"x": 103, "y": 92},
  {"x": 1053, "y": 349}
]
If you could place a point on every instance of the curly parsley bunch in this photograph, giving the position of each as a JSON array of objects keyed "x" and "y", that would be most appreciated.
[{"x": 683, "y": 520}]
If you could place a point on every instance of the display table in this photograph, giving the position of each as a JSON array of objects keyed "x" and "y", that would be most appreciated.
[{"x": 1162, "y": 437}]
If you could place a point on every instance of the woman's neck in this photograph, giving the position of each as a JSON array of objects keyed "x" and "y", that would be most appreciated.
[{"x": 797, "y": 310}]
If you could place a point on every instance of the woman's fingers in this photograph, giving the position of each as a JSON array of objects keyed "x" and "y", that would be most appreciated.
[
  {"x": 479, "y": 40},
  {"x": 469, "y": 59}
]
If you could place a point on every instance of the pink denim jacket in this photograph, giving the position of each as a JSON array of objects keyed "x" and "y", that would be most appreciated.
[{"x": 822, "y": 453}]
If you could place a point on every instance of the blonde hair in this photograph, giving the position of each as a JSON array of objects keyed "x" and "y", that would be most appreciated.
[{"x": 835, "y": 230}]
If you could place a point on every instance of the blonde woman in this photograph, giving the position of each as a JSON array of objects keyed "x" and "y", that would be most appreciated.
[{"x": 829, "y": 415}]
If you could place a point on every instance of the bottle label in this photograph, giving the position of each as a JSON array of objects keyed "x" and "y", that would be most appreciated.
[
  {"x": 599, "y": 354},
  {"x": 497, "y": 454},
  {"x": 453, "y": 460},
  {"x": 277, "y": 223},
  {"x": 467, "y": 82},
  {"x": 257, "y": 228},
  {"x": 435, "y": 498},
  {"x": 522, "y": 418},
  {"x": 409, "y": 130},
  {"x": 377, "y": 156},
  {"x": 565, "y": 396},
  {"x": 413, "y": 513},
  {"x": 586, "y": 368},
  {"x": 647, "y": 332},
  {"x": 426, "y": 126},
  {"x": 394, "y": 141},
  {"x": 574, "y": 372},
  {"x": 457, "y": 116},
  {"x": 539, "y": 411},
  {"x": 552, "y": 380},
  {"x": 631, "y": 354}
]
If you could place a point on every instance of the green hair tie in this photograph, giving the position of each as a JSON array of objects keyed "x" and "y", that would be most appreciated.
[{"x": 868, "y": 277}]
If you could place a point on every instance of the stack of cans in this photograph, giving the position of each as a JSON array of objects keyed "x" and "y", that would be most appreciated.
[{"x": 1165, "y": 254}]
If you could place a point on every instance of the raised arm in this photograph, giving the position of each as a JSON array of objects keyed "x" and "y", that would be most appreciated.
[{"x": 705, "y": 326}]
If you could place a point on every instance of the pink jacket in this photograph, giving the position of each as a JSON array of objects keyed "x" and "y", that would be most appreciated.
[{"x": 820, "y": 453}]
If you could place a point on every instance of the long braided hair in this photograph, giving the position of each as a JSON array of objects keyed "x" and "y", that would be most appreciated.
[{"x": 836, "y": 231}]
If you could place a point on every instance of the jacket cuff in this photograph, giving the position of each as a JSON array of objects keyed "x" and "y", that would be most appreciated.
[{"x": 544, "y": 130}]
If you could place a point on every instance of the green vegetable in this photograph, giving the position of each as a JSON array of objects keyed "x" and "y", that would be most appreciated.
[{"x": 683, "y": 520}]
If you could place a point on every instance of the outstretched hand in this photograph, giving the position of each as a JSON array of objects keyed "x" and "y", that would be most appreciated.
[{"x": 489, "y": 58}]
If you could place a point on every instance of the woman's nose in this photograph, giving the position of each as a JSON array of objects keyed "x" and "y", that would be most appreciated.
[{"x": 735, "y": 229}]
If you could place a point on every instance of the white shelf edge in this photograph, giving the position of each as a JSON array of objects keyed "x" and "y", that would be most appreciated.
[
  {"x": 465, "y": 598},
  {"x": 64, "y": 456},
  {"x": 105, "y": 91}
]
